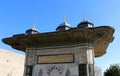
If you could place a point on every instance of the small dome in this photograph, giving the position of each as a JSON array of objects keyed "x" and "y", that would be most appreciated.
[
  {"x": 85, "y": 24},
  {"x": 63, "y": 26},
  {"x": 33, "y": 30}
]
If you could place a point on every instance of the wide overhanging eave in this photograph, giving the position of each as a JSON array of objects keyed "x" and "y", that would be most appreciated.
[{"x": 99, "y": 36}]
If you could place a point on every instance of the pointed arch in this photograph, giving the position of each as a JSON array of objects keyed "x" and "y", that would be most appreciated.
[
  {"x": 40, "y": 73},
  {"x": 68, "y": 73}
]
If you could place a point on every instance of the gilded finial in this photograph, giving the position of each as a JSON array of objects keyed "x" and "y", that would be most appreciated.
[
  {"x": 84, "y": 19},
  {"x": 64, "y": 19},
  {"x": 34, "y": 25}
]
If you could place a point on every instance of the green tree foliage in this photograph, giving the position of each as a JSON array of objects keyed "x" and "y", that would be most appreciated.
[{"x": 113, "y": 70}]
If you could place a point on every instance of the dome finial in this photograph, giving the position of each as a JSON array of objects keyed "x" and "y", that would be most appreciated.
[
  {"x": 34, "y": 25},
  {"x": 33, "y": 30},
  {"x": 64, "y": 19},
  {"x": 85, "y": 23},
  {"x": 63, "y": 26},
  {"x": 84, "y": 19}
]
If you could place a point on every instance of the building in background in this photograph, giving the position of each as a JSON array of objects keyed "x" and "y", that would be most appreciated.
[
  {"x": 11, "y": 64},
  {"x": 68, "y": 51}
]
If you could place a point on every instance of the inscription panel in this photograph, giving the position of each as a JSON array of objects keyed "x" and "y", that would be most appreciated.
[{"x": 55, "y": 58}]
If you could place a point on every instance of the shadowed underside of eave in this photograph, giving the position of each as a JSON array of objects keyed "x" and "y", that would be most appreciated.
[{"x": 99, "y": 36}]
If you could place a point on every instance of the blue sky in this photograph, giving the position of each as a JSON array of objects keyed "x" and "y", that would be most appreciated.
[{"x": 16, "y": 16}]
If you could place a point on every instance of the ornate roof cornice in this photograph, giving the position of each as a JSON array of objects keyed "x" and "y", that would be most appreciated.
[{"x": 99, "y": 36}]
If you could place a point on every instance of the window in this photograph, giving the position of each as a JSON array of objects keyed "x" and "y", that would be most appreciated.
[{"x": 29, "y": 70}]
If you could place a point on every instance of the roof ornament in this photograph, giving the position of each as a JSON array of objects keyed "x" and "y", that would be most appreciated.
[
  {"x": 33, "y": 30},
  {"x": 85, "y": 23},
  {"x": 84, "y": 19},
  {"x": 34, "y": 25},
  {"x": 63, "y": 26},
  {"x": 65, "y": 22},
  {"x": 64, "y": 19}
]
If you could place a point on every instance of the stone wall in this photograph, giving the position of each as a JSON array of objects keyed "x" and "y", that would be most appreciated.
[{"x": 11, "y": 64}]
